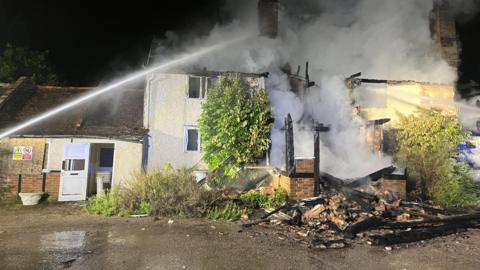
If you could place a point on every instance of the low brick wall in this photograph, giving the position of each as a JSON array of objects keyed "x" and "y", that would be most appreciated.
[
  {"x": 297, "y": 188},
  {"x": 396, "y": 187},
  {"x": 34, "y": 182},
  {"x": 304, "y": 165}
]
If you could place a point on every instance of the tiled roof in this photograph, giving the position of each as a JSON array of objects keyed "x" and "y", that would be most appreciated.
[{"x": 117, "y": 115}]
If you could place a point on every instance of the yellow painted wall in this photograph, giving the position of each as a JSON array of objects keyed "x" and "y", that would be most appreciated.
[
  {"x": 127, "y": 156},
  {"x": 407, "y": 98}
]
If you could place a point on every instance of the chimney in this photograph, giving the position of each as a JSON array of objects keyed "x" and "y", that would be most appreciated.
[{"x": 268, "y": 18}]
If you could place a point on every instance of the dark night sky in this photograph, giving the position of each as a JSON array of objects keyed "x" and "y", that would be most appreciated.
[{"x": 90, "y": 40}]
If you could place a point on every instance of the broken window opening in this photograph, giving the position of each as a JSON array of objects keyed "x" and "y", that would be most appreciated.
[
  {"x": 210, "y": 83},
  {"x": 194, "y": 87}
]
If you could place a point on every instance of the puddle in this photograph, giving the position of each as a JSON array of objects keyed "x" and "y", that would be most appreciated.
[{"x": 65, "y": 241}]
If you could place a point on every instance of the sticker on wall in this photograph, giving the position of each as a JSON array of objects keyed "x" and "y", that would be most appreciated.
[{"x": 22, "y": 152}]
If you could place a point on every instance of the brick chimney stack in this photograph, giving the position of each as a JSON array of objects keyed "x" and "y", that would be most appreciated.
[{"x": 268, "y": 18}]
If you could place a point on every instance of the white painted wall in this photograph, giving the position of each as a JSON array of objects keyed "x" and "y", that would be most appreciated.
[
  {"x": 127, "y": 156},
  {"x": 168, "y": 110}
]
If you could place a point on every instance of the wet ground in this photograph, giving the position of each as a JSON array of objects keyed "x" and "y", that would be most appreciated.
[{"x": 62, "y": 236}]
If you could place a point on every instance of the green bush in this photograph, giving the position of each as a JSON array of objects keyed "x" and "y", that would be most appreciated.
[
  {"x": 428, "y": 145},
  {"x": 167, "y": 192},
  {"x": 229, "y": 211},
  {"x": 459, "y": 189},
  {"x": 234, "y": 125},
  {"x": 105, "y": 204},
  {"x": 255, "y": 199}
]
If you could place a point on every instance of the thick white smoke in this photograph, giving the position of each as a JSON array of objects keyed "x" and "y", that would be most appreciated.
[{"x": 386, "y": 39}]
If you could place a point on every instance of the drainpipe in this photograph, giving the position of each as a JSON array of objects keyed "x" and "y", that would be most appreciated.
[
  {"x": 44, "y": 182},
  {"x": 19, "y": 183}
]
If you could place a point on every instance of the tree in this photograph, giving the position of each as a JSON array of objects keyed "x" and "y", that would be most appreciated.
[
  {"x": 17, "y": 61},
  {"x": 428, "y": 146},
  {"x": 235, "y": 123}
]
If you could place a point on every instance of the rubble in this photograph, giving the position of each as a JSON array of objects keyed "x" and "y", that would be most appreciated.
[{"x": 343, "y": 215}]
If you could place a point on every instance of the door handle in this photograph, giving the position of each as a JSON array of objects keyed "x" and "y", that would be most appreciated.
[{"x": 74, "y": 174}]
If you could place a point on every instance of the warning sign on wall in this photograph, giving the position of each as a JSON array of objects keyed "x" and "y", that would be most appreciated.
[{"x": 22, "y": 152}]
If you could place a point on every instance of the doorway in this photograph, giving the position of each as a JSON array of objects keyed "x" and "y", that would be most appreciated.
[{"x": 82, "y": 165}]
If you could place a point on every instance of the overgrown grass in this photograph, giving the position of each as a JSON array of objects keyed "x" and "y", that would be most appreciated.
[
  {"x": 175, "y": 193},
  {"x": 229, "y": 211},
  {"x": 167, "y": 192},
  {"x": 105, "y": 204},
  {"x": 255, "y": 199}
]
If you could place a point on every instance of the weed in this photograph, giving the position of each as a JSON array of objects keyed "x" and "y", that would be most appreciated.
[
  {"x": 256, "y": 199},
  {"x": 105, "y": 204},
  {"x": 229, "y": 212}
]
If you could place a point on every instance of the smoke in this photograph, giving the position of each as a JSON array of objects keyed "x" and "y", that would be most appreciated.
[
  {"x": 387, "y": 39},
  {"x": 463, "y": 10}
]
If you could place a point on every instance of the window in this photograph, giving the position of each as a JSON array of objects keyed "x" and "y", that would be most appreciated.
[
  {"x": 194, "y": 87},
  {"x": 73, "y": 165},
  {"x": 199, "y": 86},
  {"x": 210, "y": 83},
  {"x": 106, "y": 157},
  {"x": 192, "y": 139}
]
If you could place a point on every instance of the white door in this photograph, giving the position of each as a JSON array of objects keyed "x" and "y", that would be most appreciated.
[{"x": 74, "y": 175}]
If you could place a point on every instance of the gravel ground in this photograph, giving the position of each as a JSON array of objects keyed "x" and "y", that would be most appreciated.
[{"x": 59, "y": 236}]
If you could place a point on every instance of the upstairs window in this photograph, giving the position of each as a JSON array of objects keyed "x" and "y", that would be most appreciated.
[
  {"x": 199, "y": 86},
  {"x": 192, "y": 139},
  {"x": 194, "y": 87},
  {"x": 210, "y": 82}
]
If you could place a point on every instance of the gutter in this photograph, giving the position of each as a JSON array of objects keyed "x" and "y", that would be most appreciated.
[{"x": 79, "y": 136}]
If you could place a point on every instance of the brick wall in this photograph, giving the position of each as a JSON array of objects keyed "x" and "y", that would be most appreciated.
[
  {"x": 302, "y": 188},
  {"x": 297, "y": 188},
  {"x": 33, "y": 183},
  {"x": 304, "y": 165},
  {"x": 443, "y": 30}
]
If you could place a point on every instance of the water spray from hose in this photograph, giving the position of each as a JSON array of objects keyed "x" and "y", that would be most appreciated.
[{"x": 161, "y": 67}]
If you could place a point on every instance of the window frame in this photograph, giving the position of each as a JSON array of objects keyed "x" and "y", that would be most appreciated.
[
  {"x": 185, "y": 139},
  {"x": 207, "y": 84},
  {"x": 201, "y": 85}
]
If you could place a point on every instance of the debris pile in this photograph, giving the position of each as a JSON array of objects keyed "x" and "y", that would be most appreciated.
[{"x": 343, "y": 215}]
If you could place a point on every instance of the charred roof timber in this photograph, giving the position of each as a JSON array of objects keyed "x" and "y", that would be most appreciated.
[
  {"x": 268, "y": 18},
  {"x": 354, "y": 81}
]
